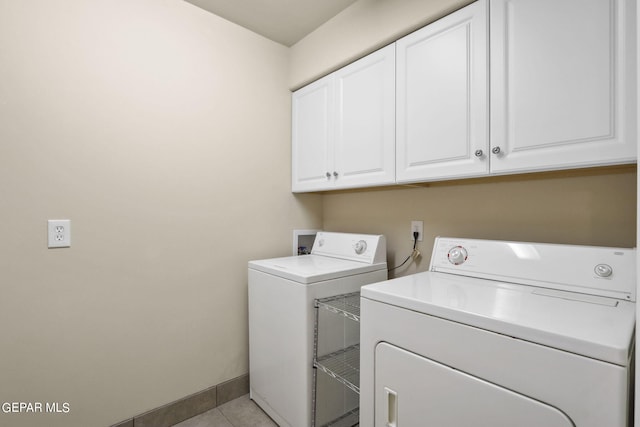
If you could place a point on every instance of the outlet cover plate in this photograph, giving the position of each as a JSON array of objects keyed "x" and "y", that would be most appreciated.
[
  {"x": 417, "y": 226},
  {"x": 59, "y": 233}
]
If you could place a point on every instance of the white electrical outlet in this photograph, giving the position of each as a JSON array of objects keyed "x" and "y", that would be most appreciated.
[
  {"x": 59, "y": 233},
  {"x": 417, "y": 226}
]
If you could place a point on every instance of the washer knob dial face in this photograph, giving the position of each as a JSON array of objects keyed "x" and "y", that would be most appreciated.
[
  {"x": 457, "y": 255},
  {"x": 360, "y": 246},
  {"x": 603, "y": 270}
]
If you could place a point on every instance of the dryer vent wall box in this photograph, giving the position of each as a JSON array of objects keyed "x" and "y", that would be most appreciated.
[
  {"x": 525, "y": 334},
  {"x": 281, "y": 312},
  {"x": 303, "y": 241}
]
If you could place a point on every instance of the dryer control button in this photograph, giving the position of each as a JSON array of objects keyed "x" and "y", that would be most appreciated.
[
  {"x": 360, "y": 246},
  {"x": 603, "y": 270},
  {"x": 457, "y": 255}
]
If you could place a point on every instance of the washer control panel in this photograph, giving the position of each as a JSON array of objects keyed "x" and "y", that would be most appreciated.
[
  {"x": 457, "y": 255},
  {"x": 367, "y": 248}
]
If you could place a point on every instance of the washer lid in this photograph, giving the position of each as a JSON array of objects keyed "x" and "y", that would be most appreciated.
[
  {"x": 309, "y": 269},
  {"x": 593, "y": 326}
]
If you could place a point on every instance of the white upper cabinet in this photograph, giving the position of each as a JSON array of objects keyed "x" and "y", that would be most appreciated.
[
  {"x": 343, "y": 133},
  {"x": 497, "y": 87},
  {"x": 365, "y": 121},
  {"x": 312, "y": 135},
  {"x": 442, "y": 98},
  {"x": 562, "y": 84}
]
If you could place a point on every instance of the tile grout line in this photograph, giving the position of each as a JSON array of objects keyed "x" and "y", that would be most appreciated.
[{"x": 225, "y": 417}]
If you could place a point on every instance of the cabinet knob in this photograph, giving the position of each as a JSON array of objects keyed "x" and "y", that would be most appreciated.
[
  {"x": 495, "y": 150},
  {"x": 479, "y": 153},
  {"x": 335, "y": 174},
  {"x": 328, "y": 175}
]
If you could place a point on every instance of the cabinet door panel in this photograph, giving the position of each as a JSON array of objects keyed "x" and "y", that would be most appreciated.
[
  {"x": 442, "y": 116},
  {"x": 365, "y": 121},
  {"x": 561, "y": 78},
  {"x": 311, "y": 139}
]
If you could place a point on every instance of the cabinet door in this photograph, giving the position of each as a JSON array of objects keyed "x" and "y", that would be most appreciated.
[
  {"x": 365, "y": 121},
  {"x": 442, "y": 98},
  {"x": 562, "y": 83},
  {"x": 311, "y": 138}
]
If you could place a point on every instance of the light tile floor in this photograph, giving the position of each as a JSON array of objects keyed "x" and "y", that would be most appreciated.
[{"x": 241, "y": 412}]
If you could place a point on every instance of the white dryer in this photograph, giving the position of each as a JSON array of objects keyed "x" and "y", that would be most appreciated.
[
  {"x": 501, "y": 334},
  {"x": 281, "y": 316}
]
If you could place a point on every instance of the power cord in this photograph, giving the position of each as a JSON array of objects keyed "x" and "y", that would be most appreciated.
[{"x": 414, "y": 253}]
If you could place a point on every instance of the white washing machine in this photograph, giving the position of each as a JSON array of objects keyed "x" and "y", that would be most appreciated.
[
  {"x": 501, "y": 334},
  {"x": 281, "y": 316}
]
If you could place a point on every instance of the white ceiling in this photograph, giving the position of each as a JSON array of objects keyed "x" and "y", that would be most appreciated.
[{"x": 284, "y": 21}]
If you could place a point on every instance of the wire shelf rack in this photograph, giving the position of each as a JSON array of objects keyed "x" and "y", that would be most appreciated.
[
  {"x": 350, "y": 419},
  {"x": 347, "y": 305},
  {"x": 343, "y": 365}
]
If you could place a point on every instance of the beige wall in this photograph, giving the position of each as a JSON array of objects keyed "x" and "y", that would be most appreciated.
[
  {"x": 360, "y": 29},
  {"x": 589, "y": 207},
  {"x": 163, "y": 133}
]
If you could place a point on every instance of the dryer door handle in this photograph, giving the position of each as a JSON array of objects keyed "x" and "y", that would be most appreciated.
[{"x": 392, "y": 407}]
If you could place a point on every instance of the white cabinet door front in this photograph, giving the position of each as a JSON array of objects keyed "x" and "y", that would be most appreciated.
[
  {"x": 365, "y": 121},
  {"x": 562, "y": 74},
  {"x": 312, "y": 134},
  {"x": 442, "y": 98},
  {"x": 413, "y": 391}
]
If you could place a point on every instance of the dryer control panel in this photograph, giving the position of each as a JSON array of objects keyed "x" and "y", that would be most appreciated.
[{"x": 593, "y": 270}]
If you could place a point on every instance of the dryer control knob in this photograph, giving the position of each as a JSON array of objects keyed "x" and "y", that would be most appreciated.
[
  {"x": 360, "y": 246},
  {"x": 457, "y": 255},
  {"x": 603, "y": 270}
]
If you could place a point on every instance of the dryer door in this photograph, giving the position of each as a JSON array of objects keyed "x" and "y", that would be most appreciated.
[{"x": 411, "y": 390}]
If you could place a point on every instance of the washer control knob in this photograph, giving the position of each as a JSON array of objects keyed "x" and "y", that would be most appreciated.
[
  {"x": 603, "y": 270},
  {"x": 360, "y": 246},
  {"x": 321, "y": 242},
  {"x": 457, "y": 255}
]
